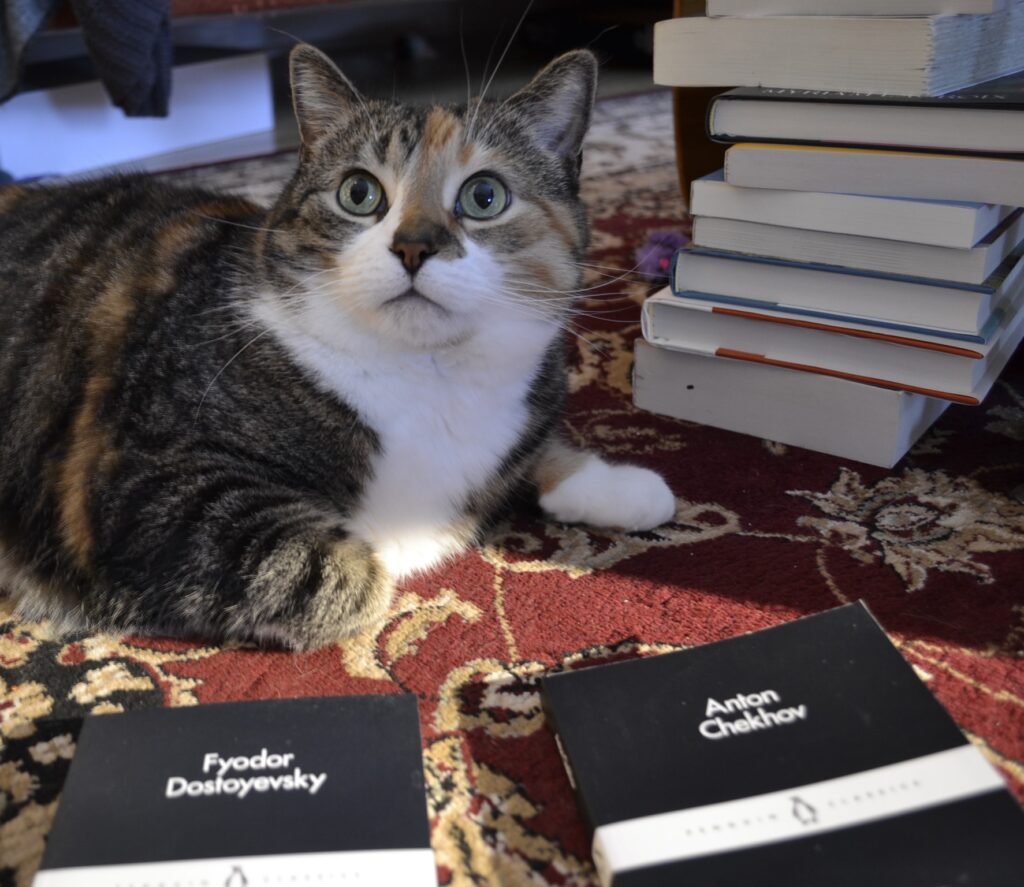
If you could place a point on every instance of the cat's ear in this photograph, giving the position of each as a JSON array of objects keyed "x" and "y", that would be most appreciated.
[
  {"x": 321, "y": 94},
  {"x": 556, "y": 104}
]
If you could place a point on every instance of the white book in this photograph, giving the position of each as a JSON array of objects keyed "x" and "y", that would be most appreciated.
[
  {"x": 956, "y": 224},
  {"x": 974, "y": 265},
  {"x": 900, "y": 56},
  {"x": 910, "y": 304},
  {"x": 836, "y": 416},
  {"x": 962, "y": 372},
  {"x": 882, "y": 173},
  {"x": 753, "y": 8}
]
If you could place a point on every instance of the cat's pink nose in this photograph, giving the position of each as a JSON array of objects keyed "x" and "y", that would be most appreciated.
[{"x": 413, "y": 253}]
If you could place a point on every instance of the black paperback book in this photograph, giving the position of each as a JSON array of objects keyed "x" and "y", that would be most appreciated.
[
  {"x": 235, "y": 794},
  {"x": 807, "y": 754}
]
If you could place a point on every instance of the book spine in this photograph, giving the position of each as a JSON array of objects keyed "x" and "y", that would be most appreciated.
[
  {"x": 581, "y": 800},
  {"x": 905, "y": 341},
  {"x": 852, "y": 377},
  {"x": 711, "y": 252},
  {"x": 835, "y": 317}
]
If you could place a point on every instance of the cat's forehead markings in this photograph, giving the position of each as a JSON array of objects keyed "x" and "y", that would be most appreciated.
[
  {"x": 430, "y": 168},
  {"x": 438, "y": 130},
  {"x": 382, "y": 146},
  {"x": 402, "y": 145}
]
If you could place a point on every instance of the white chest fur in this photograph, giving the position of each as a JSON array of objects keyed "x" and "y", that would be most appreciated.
[
  {"x": 443, "y": 431},
  {"x": 445, "y": 421}
]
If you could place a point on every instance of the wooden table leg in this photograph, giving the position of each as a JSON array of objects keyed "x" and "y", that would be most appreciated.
[{"x": 696, "y": 154}]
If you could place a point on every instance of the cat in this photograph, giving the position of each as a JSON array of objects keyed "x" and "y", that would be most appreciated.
[{"x": 228, "y": 422}]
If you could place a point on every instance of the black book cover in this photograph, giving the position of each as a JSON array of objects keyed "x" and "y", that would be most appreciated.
[
  {"x": 807, "y": 753},
  {"x": 242, "y": 793},
  {"x": 1004, "y": 94}
]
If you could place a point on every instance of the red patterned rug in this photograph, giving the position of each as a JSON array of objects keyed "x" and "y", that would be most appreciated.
[{"x": 764, "y": 533}]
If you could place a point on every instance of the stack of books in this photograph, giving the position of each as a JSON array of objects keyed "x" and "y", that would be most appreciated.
[{"x": 857, "y": 265}]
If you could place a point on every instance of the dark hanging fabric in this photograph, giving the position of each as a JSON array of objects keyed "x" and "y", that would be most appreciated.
[
  {"x": 129, "y": 42},
  {"x": 19, "y": 20}
]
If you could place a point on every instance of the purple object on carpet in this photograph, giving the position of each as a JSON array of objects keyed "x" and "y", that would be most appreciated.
[{"x": 654, "y": 256}]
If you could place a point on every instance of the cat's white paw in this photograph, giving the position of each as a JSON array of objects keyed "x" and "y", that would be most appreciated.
[{"x": 604, "y": 495}]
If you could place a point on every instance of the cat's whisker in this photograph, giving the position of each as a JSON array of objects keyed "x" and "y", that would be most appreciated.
[
  {"x": 604, "y": 277},
  {"x": 613, "y": 302},
  {"x": 530, "y": 311},
  {"x": 369, "y": 115},
  {"x": 577, "y": 293},
  {"x": 302, "y": 284},
  {"x": 523, "y": 308},
  {"x": 598, "y": 291},
  {"x": 605, "y": 319},
  {"x": 228, "y": 330},
  {"x": 238, "y": 224},
  {"x": 220, "y": 372},
  {"x": 483, "y": 77},
  {"x": 576, "y": 312},
  {"x": 608, "y": 271},
  {"x": 207, "y": 318},
  {"x": 232, "y": 332},
  {"x": 622, "y": 272},
  {"x": 231, "y": 306},
  {"x": 501, "y": 58},
  {"x": 465, "y": 58},
  {"x": 590, "y": 343},
  {"x": 563, "y": 319},
  {"x": 613, "y": 268}
]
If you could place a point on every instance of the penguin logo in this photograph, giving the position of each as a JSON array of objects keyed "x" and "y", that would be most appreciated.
[
  {"x": 237, "y": 878},
  {"x": 803, "y": 812}
]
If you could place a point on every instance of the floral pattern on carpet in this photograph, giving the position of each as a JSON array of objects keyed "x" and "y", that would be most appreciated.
[{"x": 763, "y": 533}]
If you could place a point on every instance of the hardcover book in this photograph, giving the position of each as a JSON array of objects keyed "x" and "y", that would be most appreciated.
[
  {"x": 883, "y": 173},
  {"x": 277, "y": 791},
  {"x": 950, "y": 223},
  {"x": 851, "y": 7},
  {"x": 929, "y": 55},
  {"x": 985, "y": 118},
  {"x": 972, "y": 266},
  {"x": 808, "y": 753},
  {"x": 822, "y": 413},
  {"x": 936, "y": 366},
  {"x": 928, "y": 306}
]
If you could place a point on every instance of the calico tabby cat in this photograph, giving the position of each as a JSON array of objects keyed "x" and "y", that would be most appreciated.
[{"x": 232, "y": 422}]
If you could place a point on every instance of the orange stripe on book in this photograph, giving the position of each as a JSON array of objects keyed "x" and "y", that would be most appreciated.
[
  {"x": 846, "y": 331},
  {"x": 853, "y": 377}
]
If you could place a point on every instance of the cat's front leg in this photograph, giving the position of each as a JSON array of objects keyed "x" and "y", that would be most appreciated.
[
  {"x": 228, "y": 555},
  {"x": 577, "y": 486},
  {"x": 313, "y": 589}
]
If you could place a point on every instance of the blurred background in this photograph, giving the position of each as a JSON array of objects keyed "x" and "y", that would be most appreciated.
[{"x": 92, "y": 85}]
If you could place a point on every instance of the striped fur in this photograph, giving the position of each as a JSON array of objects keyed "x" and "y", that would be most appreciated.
[{"x": 223, "y": 421}]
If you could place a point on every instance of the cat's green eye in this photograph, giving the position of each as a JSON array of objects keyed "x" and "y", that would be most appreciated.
[
  {"x": 361, "y": 194},
  {"x": 482, "y": 197}
]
